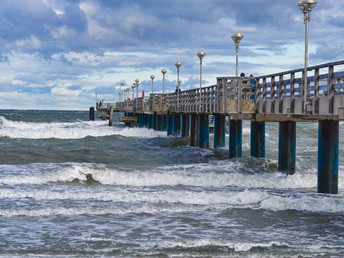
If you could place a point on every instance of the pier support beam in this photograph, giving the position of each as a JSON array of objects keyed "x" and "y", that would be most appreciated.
[
  {"x": 185, "y": 125},
  {"x": 287, "y": 145},
  {"x": 328, "y": 147},
  {"x": 194, "y": 130},
  {"x": 258, "y": 139},
  {"x": 176, "y": 131},
  {"x": 170, "y": 124},
  {"x": 235, "y": 138},
  {"x": 164, "y": 123},
  {"x": 219, "y": 131},
  {"x": 91, "y": 114},
  {"x": 150, "y": 121},
  {"x": 110, "y": 116},
  {"x": 158, "y": 122},
  {"x": 203, "y": 139}
]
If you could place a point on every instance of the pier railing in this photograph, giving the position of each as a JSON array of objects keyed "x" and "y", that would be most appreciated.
[{"x": 275, "y": 94}]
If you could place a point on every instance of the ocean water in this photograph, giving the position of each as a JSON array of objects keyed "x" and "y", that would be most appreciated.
[{"x": 78, "y": 188}]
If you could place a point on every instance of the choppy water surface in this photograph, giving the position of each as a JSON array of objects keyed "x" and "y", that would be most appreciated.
[{"x": 74, "y": 187}]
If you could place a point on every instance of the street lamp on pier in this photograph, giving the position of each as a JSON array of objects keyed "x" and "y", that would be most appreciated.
[
  {"x": 237, "y": 37},
  {"x": 306, "y": 7},
  {"x": 137, "y": 81},
  {"x": 178, "y": 65},
  {"x": 163, "y": 71},
  {"x": 200, "y": 55},
  {"x": 152, "y": 78}
]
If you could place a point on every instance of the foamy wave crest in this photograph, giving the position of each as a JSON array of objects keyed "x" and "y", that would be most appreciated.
[
  {"x": 71, "y": 130},
  {"x": 221, "y": 174}
]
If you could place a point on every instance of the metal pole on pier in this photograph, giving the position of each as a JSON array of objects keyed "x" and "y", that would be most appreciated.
[
  {"x": 178, "y": 65},
  {"x": 237, "y": 37},
  {"x": 306, "y": 7}
]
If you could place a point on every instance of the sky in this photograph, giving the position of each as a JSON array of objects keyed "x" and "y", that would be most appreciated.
[{"x": 57, "y": 54}]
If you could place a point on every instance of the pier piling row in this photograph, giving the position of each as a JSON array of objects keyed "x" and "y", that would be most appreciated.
[{"x": 271, "y": 98}]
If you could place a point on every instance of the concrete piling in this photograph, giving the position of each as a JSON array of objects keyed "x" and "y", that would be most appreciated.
[
  {"x": 328, "y": 147},
  {"x": 185, "y": 125},
  {"x": 235, "y": 138},
  {"x": 219, "y": 131},
  {"x": 176, "y": 130},
  {"x": 91, "y": 114},
  {"x": 203, "y": 139},
  {"x": 194, "y": 130},
  {"x": 287, "y": 145},
  {"x": 170, "y": 125},
  {"x": 110, "y": 116},
  {"x": 258, "y": 139}
]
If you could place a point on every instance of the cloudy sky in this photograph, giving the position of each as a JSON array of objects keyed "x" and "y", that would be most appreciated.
[{"x": 55, "y": 54}]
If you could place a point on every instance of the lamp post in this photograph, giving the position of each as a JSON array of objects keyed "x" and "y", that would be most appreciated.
[
  {"x": 306, "y": 7},
  {"x": 152, "y": 78},
  {"x": 200, "y": 55},
  {"x": 178, "y": 65},
  {"x": 163, "y": 71},
  {"x": 237, "y": 37},
  {"x": 137, "y": 88}
]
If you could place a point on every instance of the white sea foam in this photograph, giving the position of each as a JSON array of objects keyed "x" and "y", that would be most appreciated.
[{"x": 71, "y": 130}]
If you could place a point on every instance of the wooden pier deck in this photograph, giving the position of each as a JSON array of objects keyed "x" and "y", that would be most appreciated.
[{"x": 278, "y": 97}]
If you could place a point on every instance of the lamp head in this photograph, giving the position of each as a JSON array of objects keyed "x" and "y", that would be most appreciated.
[
  {"x": 137, "y": 81},
  {"x": 163, "y": 71},
  {"x": 237, "y": 36},
  {"x": 152, "y": 77},
  {"x": 178, "y": 64},
  {"x": 307, "y": 5},
  {"x": 201, "y": 54}
]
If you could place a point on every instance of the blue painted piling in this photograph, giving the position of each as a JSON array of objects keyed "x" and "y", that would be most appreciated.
[
  {"x": 194, "y": 130},
  {"x": 219, "y": 131},
  {"x": 258, "y": 139},
  {"x": 158, "y": 122},
  {"x": 287, "y": 145},
  {"x": 163, "y": 123},
  {"x": 170, "y": 125},
  {"x": 145, "y": 122},
  {"x": 328, "y": 147},
  {"x": 150, "y": 121},
  {"x": 176, "y": 131},
  {"x": 235, "y": 138},
  {"x": 185, "y": 125},
  {"x": 141, "y": 121},
  {"x": 203, "y": 139}
]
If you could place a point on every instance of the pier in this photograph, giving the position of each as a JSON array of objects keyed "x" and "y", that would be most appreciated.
[{"x": 278, "y": 97}]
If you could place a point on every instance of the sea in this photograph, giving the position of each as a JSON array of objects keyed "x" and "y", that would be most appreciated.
[{"x": 70, "y": 187}]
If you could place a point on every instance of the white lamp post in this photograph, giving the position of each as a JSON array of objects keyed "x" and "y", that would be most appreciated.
[
  {"x": 152, "y": 78},
  {"x": 200, "y": 55},
  {"x": 137, "y": 88},
  {"x": 178, "y": 65},
  {"x": 306, "y": 7},
  {"x": 237, "y": 37},
  {"x": 163, "y": 71}
]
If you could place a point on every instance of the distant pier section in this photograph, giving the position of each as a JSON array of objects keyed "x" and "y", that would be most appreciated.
[{"x": 279, "y": 97}]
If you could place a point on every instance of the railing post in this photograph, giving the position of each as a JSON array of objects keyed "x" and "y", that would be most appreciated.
[
  {"x": 292, "y": 93},
  {"x": 280, "y": 95},
  {"x": 316, "y": 91},
  {"x": 264, "y": 95},
  {"x": 273, "y": 92},
  {"x": 331, "y": 89}
]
